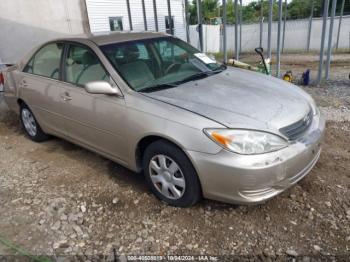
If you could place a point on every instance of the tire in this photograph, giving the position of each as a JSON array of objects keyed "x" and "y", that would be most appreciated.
[
  {"x": 31, "y": 126},
  {"x": 170, "y": 175}
]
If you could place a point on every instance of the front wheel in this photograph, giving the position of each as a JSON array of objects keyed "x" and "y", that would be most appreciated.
[
  {"x": 170, "y": 174},
  {"x": 31, "y": 126}
]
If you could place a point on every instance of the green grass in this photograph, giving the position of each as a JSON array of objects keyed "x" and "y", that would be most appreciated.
[{"x": 21, "y": 251}]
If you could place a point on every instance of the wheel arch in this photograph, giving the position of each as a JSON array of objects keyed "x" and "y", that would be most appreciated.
[
  {"x": 20, "y": 102},
  {"x": 145, "y": 141}
]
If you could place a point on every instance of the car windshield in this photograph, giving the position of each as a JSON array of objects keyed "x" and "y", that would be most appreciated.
[{"x": 159, "y": 63}]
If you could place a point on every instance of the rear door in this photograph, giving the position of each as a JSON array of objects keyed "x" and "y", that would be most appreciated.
[
  {"x": 96, "y": 121},
  {"x": 39, "y": 85}
]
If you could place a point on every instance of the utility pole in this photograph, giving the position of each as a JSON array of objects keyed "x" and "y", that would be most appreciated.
[
  {"x": 236, "y": 31},
  {"x": 310, "y": 26},
  {"x": 187, "y": 22},
  {"x": 144, "y": 15},
  {"x": 240, "y": 25},
  {"x": 261, "y": 23},
  {"x": 155, "y": 15},
  {"x": 200, "y": 26},
  {"x": 323, "y": 37},
  {"x": 278, "y": 64},
  {"x": 224, "y": 10},
  {"x": 330, "y": 39},
  {"x": 170, "y": 19},
  {"x": 340, "y": 20},
  {"x": 269, "y": 29},
  {"x": 129, "y": 14},
  {"x": 284, "y": 24}
]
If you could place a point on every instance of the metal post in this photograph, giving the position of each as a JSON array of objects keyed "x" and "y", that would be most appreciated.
[
  {"x": 240, "y": 25},
  {"x": 187, "y": 22},
  {"x": 330, "y": 39},
  {"x": 323, "y": 37},
  {"x": 224, "y": 15},
  {"x": 310, "y": 26},
  {"x": 129, "y": 14},
  {"x": 170, "y": 19},
  {"x": 340, "y": 20},
  {"x": 144, "y": 15},
  {"x": 236, "y": 31},
  {"x": 200, "y": 27},
  {"x": 284, "y": 24},
  {"x": 155, "y": 15},
  {"x": 278, "y": 64},
  {"x": 261, "y": 22},
  {"x": 269, "y": 29}
]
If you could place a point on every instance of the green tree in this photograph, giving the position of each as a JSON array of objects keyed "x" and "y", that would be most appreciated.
[
  {"x": 211, "y": 9},
  {"x": 297, "y": 9}
]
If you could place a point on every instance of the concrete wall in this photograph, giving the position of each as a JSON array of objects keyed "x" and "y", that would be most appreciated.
[
  {"x": 296, "y": 35},
  {"x": 26, "y": 23}
]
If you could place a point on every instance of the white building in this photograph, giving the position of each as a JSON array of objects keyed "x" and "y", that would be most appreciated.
[
  {"x": 113, "y": 15},
  {"x": 27, "y": 23}
]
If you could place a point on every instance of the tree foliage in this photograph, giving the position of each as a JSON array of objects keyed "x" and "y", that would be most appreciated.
[{"x": 297, "y": 9}]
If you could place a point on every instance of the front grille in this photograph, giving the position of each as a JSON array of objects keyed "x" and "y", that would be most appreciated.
[{"x": 295, "y": 130}]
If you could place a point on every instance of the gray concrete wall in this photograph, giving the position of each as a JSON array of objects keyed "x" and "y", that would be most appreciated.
[
  {"x": 296, "y": 35},
  {"x": 27, "y": 23}
]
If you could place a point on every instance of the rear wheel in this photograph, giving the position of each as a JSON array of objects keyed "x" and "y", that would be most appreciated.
[
  {"x": 31, "y": 126},
  {"x": 170, "y": 174}
]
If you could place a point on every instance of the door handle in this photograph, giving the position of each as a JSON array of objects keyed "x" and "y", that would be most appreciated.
[
  {"x": 24, "y": 83},
  {"x": 66, "y": 96}
]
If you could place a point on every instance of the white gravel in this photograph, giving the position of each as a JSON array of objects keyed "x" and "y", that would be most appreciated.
[{"x": 336, "y": 114}]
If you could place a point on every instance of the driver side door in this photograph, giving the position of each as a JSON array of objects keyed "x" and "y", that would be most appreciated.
[{"x": 93, "y": 120}]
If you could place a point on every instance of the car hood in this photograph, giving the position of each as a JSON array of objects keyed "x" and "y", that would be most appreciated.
[{"x": 240, "y": 99}]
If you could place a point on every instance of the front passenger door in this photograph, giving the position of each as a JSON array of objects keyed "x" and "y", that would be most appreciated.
[{"x": 94, "y": 121}]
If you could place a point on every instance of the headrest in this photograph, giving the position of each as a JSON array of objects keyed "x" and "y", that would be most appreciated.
[
  {"x": 89, "y": 59},
  {"x": 131, "y": 53}
]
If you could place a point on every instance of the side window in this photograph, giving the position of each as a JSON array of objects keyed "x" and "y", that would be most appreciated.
[
  {"x": 83, "y": 66},
  {"x": 169, "y": 24},
  {"x": 116, "y": 23},
  {"x": 46, "y": 62}
]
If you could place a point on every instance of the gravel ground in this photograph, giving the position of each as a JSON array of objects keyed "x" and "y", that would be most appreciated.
[{"x": 57, "y": 199}]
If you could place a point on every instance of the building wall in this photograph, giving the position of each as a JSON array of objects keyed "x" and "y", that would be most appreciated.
[
  {"x": 26, "y": 23},
  {"x": 295, "y": 39},
  {"x": 100, "y": 11}
]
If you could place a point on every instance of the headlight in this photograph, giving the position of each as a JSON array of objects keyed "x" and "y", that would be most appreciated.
[{"x": 246, "y": 142}]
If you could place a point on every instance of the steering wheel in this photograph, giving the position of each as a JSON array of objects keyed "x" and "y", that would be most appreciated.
[{"x": 172, "y": 68}]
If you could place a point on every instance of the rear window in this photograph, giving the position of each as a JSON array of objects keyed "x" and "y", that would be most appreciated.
[{"x": 46, "y": 62}]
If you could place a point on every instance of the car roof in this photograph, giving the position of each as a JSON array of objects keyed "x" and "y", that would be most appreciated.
[{"x": 105, "y": 38}]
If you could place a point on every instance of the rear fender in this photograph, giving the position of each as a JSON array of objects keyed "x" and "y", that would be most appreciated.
[{"x": 10, "y": 87}]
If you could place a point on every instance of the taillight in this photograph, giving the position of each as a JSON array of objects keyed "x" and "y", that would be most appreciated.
[{"x": 2, "y": 79}]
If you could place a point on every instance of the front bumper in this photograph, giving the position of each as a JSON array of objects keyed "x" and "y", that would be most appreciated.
[{"x": 245, "y": 179}]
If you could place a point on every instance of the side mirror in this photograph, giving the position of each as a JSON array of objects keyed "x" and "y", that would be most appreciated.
[{"x": 102, "y": 87}]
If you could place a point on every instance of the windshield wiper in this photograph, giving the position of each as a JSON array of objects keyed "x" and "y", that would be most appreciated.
[
  {"x": 194, "y": 77},
  {"x": 157, "y": 87},
  {"x": 175, "y": 84},
  {"x": 197, "y": 76},
  {"x": 200, "y": 75}
]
